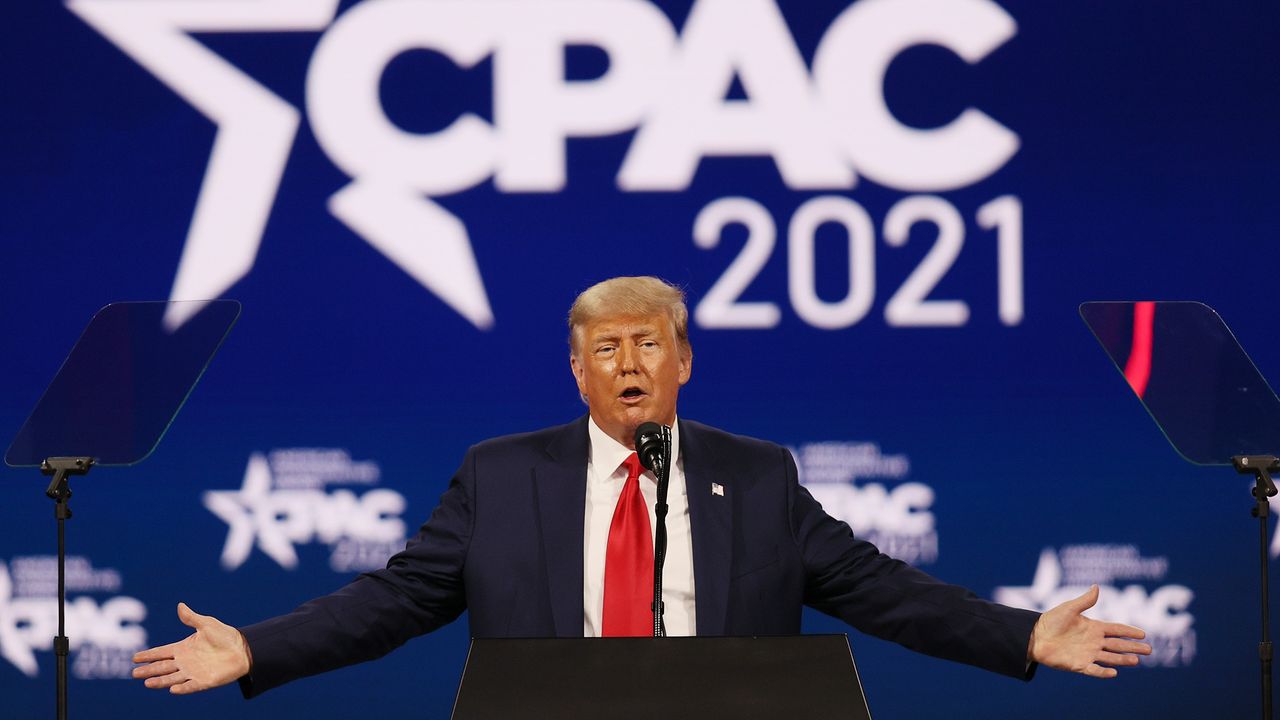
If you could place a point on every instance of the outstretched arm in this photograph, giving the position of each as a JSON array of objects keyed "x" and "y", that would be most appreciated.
[
  {"x": 214, "y": 655},
  {"x": 420, "y": 589},
  {"x": 1065, "y": 639}
]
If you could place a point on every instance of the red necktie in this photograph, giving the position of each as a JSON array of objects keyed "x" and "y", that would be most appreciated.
[{"x": 628, "y": 566}]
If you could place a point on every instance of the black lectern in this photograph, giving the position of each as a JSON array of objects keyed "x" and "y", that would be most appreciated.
[{"x": 806, "y": 676}]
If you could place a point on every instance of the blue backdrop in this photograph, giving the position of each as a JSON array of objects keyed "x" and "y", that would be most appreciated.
[{"x": 885, "y": 214}]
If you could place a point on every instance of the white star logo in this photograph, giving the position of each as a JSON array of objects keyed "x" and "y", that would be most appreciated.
[
  {"x": 249, "y": 513},
  {"x": 256, "y": 130},
  {"x": 1046, "y": 582}
]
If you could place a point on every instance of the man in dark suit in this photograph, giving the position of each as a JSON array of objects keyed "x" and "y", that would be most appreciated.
[{"x": 530, "y": 538}]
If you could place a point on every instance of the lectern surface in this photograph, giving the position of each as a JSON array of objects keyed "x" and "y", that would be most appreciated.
[{"x": 793, "y": 678}]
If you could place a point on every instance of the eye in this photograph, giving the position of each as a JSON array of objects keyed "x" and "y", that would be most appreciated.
[
  {"x": 648, "y": 344},
  {"x": 605, "y": 350}
]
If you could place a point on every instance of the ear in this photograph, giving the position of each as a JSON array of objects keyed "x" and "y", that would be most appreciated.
[
  {"x": 578, "y": 371},
  {"x": 686, "y": 365}
]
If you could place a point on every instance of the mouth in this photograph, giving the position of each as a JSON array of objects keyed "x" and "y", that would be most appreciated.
[{"x": 632, "y": 395}]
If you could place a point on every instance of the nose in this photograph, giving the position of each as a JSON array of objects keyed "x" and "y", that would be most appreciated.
[{"x": 626, "y": 359}]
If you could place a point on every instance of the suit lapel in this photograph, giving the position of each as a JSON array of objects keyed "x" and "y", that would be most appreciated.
[
  {"x": 711, "y": 521},
  {"x": 562, "y": 497}
]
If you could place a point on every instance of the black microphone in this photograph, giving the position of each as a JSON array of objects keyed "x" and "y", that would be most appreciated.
[
  {"x": 649, "y": 446},
  {"x": 653, "y": 446}
]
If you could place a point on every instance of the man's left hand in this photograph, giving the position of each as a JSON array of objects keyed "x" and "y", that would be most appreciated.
[{"x": 1065, "y": 639}]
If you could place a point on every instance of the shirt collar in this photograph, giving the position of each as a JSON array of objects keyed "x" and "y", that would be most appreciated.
[{"x": 608, "y": 454}]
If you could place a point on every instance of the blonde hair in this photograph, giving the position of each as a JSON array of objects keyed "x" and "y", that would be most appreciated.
[{"x": 645, "y": 295}]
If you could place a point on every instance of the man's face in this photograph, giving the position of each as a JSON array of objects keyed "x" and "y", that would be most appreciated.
[{"x": 630, "y": 369}]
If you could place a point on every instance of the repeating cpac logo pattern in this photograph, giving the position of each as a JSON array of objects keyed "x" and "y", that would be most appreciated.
[
  {"x": 104, "y": 633},
  {"x": 897, "y": 520},
  {"x": 824, "y": 125},
  {"x": 1162, "y": 611},
  {"x": 283, "y": 503}
]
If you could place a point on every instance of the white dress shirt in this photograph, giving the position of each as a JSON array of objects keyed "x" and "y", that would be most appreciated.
[{"x": 605, "y": 477}]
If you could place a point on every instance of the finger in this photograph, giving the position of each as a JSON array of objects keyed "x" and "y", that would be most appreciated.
[
  {"x": 162, "y": 652},
  {"x": 1126, "y": 631},
  {"x": 191, "y": 618},
  {"x": 1116, "y": 659},
  {"x": 165, "y": 681},
  {"x": 1095, "y": 670},
  {"x": 1126, "y": 646},
  {"x": 188, "y": 687},
  {"x": 1084, "y": 602},
  {"x": 162, "y": 667}
]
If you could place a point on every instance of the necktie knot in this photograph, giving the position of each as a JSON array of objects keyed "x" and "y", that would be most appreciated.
[{"x": 632, "y": 463}]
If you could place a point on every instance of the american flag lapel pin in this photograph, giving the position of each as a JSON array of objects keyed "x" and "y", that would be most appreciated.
[{"x": 717, "y": 489}]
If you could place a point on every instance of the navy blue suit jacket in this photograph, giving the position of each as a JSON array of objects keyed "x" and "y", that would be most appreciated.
[{"x": 505, "y": 543}]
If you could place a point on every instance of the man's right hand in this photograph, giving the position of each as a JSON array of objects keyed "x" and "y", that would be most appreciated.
[{"x": 214, "y": 655}]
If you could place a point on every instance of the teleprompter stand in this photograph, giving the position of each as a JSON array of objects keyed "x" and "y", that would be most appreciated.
[
  {"x": 1208, "y": 398},
  {"x": 1261, "y": 467},
  {"x": 60, "y": 491},
  {"x": 111, "y": 402},
  {"x": 743, "y": 678}
]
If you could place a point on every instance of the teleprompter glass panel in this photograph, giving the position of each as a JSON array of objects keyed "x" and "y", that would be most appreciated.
[
  {"x": 124, "y": 382},
  {"x": 1192, "y": 376}
]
